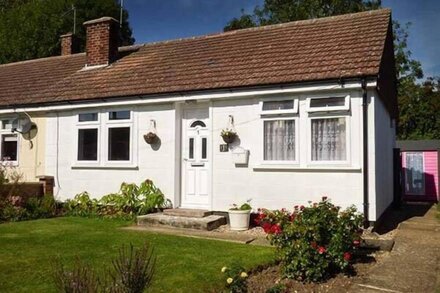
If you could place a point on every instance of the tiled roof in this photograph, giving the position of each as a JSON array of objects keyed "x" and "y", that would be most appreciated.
[{"x": 343, "y": 46}]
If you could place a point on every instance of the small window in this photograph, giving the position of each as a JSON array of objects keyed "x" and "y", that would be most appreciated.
[
  {"x": 87, "y": 117},
  {"x": 198, "y": 123},
  {"x": 9, "y": 147},
  {"x": 329, "y": 139},
  {"x": 279, "y": 106},
  {"x": 279, "y": 140},
  {"x": 191, "y": 148},
  {"x": 328, "y": 104},
  {"x": 119, "y": 115},
  {"x": 119, "y": 144},
  {"x": 87, "y": 144},
  {"x": 7, "y": 124},
  {"x": 204, "y": 147}
]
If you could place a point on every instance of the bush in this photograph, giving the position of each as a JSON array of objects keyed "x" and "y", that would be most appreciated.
[
  {"x": 313, "y": 242},
  {"x": 41, "y": 207},
  {"x": 130, "y": 201},
  {"x": 235, "y": 278},
  {"x": 10, "y": 212},
  {"x": 132, "y": 272}
]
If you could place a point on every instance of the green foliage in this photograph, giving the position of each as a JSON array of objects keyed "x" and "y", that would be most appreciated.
[
  {"x": 130, "y": 201},
  {"x": 41, "y": 207},
  {"x": 235, "y": 278},
  {"x": 31, "y": 29},
  {"x": 279, "y": 11},
  {"x": 133, "y": 271},
  {"x": 313, "y": 242},
  {"x": 278, "y": 288},
  {"x": 11, "y": 213},
  {"x": 244, "y": 207}
]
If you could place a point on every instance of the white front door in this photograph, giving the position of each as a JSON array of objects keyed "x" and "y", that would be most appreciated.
[{"x": 195, "y": 154}]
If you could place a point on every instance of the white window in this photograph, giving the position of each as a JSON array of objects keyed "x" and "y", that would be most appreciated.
[
  {"x": 9, "y": 142},
  {"x": 414, "y": 174},
  {"x": 329, "y": 139},
  {"x": 113, "y": 129},
  {"x": 280, "y": 140},
  {"x": 279, "y": 106},
  {"x": 326, "y": 104}
]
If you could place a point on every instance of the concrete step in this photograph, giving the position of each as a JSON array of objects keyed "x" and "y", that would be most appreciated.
[
  {"x": 160, "y": 219},
  {"x": 190, "y": 213}
]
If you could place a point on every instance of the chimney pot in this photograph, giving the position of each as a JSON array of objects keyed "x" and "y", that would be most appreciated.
[{"x": 102, "y": 41}]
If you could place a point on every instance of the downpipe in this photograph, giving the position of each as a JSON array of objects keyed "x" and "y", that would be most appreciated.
[{"x": 365, "y": 151}]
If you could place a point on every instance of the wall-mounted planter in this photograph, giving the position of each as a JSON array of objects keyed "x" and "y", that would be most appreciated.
[
  {"x": 229, "y": 137},
  {"x": 150, "y": 138}
]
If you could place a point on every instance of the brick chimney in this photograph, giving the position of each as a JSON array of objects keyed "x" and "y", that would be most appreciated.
[
  {"x": 102, "y": 41},
  {"x": 69, "y": 44}
]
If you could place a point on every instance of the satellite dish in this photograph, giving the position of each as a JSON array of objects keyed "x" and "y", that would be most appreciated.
[{"x": 23, "y": 125}]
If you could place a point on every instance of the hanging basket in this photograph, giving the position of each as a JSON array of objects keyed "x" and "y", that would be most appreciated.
[
  {"x": 229, "y": 137},
  {"x": 150, "y": 138}
]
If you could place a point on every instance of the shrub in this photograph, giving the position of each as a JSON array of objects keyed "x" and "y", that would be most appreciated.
[
  {"x": 40, "y": 207},
  {"x": 130, "y": 201},
  {"x": 235, "y": 278},
  {"x": 132, "y": 272},
  {"x": 11, "y": 213},
  {"x": 313, "y": 242}
]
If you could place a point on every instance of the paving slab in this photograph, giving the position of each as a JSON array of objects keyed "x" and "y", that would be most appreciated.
[
  {"x": 201, "y": 223},
  {"x": 414, "y": 262}
]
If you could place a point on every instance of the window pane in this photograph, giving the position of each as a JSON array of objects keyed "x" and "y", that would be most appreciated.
[
  {"x": 414, "y": 174},
  {"x": 278, "y": 105},
  {"x": 198, "y": 123},
  {"x": 87, "y": 144},
  {"x": 84, "y": 117},
  {"x": 204, "y": 147},
  {"x": 9, "y": 147},
  {"x": 327, "y": 102},
  {"x": 279, "y": 140},
  {"x": 191, "y": 148},
  {"x": 328, "y": 139},
  {"x": 7, "y": 124},
  {"x": 119, "y": 115},
  {"x": 119, "y": 144}
]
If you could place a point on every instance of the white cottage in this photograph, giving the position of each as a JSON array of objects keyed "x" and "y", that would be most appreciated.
[{"x": 313, "y": 104}]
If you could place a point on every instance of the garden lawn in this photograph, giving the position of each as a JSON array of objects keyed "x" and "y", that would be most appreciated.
[{"x": 28, "y": 249}]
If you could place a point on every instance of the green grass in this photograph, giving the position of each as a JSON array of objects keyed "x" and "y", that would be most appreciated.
[{"x": 27, "y": 250}]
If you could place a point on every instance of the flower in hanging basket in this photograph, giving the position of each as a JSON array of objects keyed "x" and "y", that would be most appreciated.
[
  {"x": 228, "y": 135},
  {"x": 150, "y": 137}
]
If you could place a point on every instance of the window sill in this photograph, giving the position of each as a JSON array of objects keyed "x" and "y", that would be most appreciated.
[
  {"x": 106, "y": 167},
  {"x": 270, "y": 167}
]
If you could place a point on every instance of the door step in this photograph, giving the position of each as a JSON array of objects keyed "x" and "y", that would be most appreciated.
[
  {"x": 208, "y": 223},
  {"x": 190, "y": 213}
]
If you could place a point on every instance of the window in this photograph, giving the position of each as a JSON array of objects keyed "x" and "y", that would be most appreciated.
[
  {"x": 88, "y": 144},
  {"x": 328, "y": 137},
  {"x": 105, "y": 139},
  {"x": 119, "y": 115},
  {"x": 328, "y": 104},
  {"x": 414, "y": 174},
  {"x": 204, "y": 147},
  {"x": 279, "y": 140},
  {"x": 87, "y": 117},
  {"x": 119, "y": 144},
  {"x": 198, "y": 123},
  {"x": 9, "y": 147},
  {"x": 285, "y": 106},
  {"x": 191, "y": 148}
]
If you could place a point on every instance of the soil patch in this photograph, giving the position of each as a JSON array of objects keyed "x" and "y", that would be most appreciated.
[{"x": 261, "y": 281}]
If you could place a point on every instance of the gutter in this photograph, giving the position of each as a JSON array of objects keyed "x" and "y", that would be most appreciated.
[{"x": 365, "y": 151}]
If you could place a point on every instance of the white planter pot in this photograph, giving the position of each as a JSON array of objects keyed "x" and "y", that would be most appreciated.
[{"x": 239, "y": 220}]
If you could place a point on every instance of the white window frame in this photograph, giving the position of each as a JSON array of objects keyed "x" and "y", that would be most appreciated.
[
  {"x": 9, "y": 132},
  {"x": 103, "y": 124},
  {"x": 280, "y": 162},
  {"x": 345, "y": 107},
  {"x": 347, "y": 161},
  {"x": 294, "y": 110}
]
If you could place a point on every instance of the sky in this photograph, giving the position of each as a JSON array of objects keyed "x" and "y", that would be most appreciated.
[{"x": 156, "y": 20}]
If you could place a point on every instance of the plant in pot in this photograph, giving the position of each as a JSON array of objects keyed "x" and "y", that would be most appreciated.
[
  {"x": 228, "y": 135},
  {"x": 239, "y": 216},
  {"x": 150, "y": 137}
]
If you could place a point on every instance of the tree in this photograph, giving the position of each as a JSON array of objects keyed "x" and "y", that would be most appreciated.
[
  {"x": 31, "y": 28},
  {"x": 417, "y": 102}
]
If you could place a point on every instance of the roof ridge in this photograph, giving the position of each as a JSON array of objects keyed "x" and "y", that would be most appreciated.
[
  {"x": 273, "y": 26},
  {"x": 42, "y": 59}
]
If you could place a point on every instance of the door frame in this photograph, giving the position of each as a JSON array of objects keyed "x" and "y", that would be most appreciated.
[{"x": 194, "y": 106}]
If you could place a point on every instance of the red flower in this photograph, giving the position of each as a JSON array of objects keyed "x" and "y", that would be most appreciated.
[
  {"x": 324, "y": 198},
  {"x": 321, "y": 250},
  {"x": 347, "y": 256},
  {"x": 295, "y": 207},
  {"x": 276, "y": 229},
  {"x": 314, "y": 244},
  {"x": 301, "y": 208},
  {"x": 259, "y": 218},
  {"x": 292, "y": 217},
  {"x": 356, "y": 242},
  {"x": 266, "y": 227}
]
